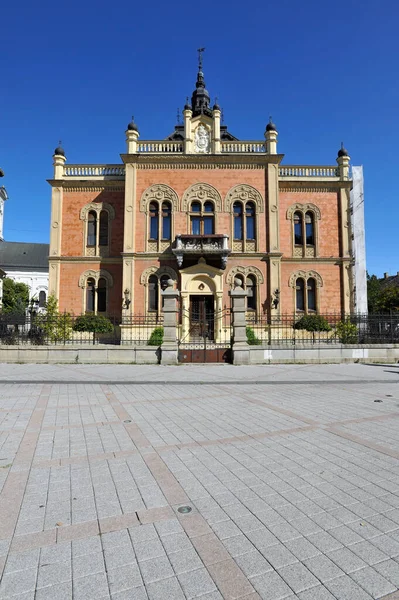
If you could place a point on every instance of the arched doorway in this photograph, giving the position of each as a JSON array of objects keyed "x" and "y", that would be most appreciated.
[{"x": 205, "y": 327}]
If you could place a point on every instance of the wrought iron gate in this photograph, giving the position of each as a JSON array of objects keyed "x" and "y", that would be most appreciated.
[{"x": 205, "y": 335}]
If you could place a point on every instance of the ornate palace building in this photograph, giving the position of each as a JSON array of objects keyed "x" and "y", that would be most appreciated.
[{"x": 202, "y": 208}]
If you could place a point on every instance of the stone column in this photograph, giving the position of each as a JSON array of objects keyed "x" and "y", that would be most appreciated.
[
  {"x": 170, "y": 335},
  {"x": 240, "y": 347},
  {"x": 216, "y": 129},
  {"x": 187, "y": 113}
]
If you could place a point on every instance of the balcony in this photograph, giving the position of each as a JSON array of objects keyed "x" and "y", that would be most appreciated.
[{"x": 195, "y": 246}]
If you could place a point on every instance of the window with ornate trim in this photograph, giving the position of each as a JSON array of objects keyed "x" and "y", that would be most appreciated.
[
  {"x": 202, "y": 218},
  {"x": 251, "y": 279},
  {"x": 159, "y": 203},
  {"x": 95, "y": 286},
  {"x": 97, "y": 217},
  {"x": 306, "y": 286},
  {"x": 154, "y": 296},
  {"x": 244, "y": 221},
  {"x": 304, "y": 218}
]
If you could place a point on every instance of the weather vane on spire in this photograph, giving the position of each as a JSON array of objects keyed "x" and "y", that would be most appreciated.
[{"x": 200, "y": 51}]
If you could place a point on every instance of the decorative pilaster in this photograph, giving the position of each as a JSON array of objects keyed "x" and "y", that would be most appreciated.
[
  {"x": 240, "y": 348},
  {"x": 343, "y": 160},
  {"x": 170, "y": 335},
  {"x": 273, "y": 224},
  {"x": 187, "y": 113},
  {"x": 216, "y": 128},
  {"x": 128, "y": 235}
]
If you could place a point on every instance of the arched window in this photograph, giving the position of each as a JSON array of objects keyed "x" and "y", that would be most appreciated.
[
  {"x": 97, "y": 217},
  {"x": 102, "y": 295},
  {"x": 202, "y": 218},
  {"x": 92, "y": 229},
  {"x": 90, "y": 295},
  {"x": 103, "y": 237},
  {"x": 311, "y": 293},
  {"x": 238, "y": 224},
  {"x": 166, "y": 221},
  {"x": 42, "y": 299},
  {"x": 251, "y": 293},
  {"x": 304, "y": 218},
  {"x": 300, "y": 294},
  {"x": 250, "y": 220},
  {"x": 154, "y": 221},
  {"x": 298, "y": 235},
  {"x": 153, "y": 293},
  {"x": 309, "y": 228}
]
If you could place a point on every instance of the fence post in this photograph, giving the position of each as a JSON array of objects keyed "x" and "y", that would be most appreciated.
[
  {"x": 169, "y": 344},
  {"x": 240, "y": 348}
]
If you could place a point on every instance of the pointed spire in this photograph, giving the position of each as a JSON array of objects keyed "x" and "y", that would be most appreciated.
[{"x": 200, "y": 100}]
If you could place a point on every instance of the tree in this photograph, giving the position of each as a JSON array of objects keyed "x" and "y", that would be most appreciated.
[
  {"x": 388, "y": 300},
  {"x": 373, "y": 292},
  {"x": 15, "y": 296},
  {"x": 94, "y": 324},
  {"x": 56, "y": 326}
]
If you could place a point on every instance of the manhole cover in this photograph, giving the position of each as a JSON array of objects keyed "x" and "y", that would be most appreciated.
[
  {"x": 127, "y": 421},
  {"x": 184, "y": 509}
]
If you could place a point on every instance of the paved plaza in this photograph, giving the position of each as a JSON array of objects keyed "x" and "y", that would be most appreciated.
[{"x": 196, "y": 481}]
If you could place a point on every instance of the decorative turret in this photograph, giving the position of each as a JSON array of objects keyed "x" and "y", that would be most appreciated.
[
  {"x": 200, "y": 100},
  {"x": 132, "y": 135},
  {"x": 271, "y": 137},
  {"x": 343, "y": 159},
  {"x": 59, "y": 159}
]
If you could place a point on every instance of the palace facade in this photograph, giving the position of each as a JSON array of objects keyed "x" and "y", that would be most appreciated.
[{"x": 203, "y": 209}]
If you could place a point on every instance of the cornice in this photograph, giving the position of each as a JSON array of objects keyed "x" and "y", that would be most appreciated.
[
  {"x": 85, "y": 259},
  {"x": 202, "y": 161},
  {"x": 87, "y": 185},
  {"x": 314, "y": 186},
  {"x": 332, "y": 259}
]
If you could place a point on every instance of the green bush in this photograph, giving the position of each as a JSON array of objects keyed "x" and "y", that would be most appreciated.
[
  {"x": 55, "y": 326},
  {"x": 347, "y": 332},
  {"x": 156, "y": 337},
  {"x": 252, "y": 340},
  {"x": 312, "y": 323},
  {"x": 93, "y": 323}
]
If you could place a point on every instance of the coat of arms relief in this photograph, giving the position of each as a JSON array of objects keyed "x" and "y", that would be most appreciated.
[{"x": 202, "y": 140}]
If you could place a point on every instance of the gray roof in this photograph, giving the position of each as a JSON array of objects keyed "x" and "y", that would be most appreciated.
[{"x": 23, "y": 255}]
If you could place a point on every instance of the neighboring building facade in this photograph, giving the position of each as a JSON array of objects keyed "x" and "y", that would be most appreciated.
[
  {"x": 27, "y": 263},
  {"x": 203, "y": 209}
]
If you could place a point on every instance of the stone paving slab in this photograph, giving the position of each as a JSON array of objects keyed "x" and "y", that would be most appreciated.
[{"x": 291, "y": 473}]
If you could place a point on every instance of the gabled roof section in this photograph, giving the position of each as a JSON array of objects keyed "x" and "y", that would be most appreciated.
[{"x": 23, "y": 255}]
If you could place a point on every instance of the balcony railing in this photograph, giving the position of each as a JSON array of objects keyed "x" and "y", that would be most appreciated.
[
  {"x": 246, "y": 147},
  {"x": 302, "y": 172},
  {"x": 95, "y": 171},
  {"x": 216, "y": 245},
  {"x": 159, "y": 146}
]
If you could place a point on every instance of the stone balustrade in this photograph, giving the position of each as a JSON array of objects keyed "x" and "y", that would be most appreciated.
[
  {"x": 245, "y": 147},
  {"x": 95, "y": 171},
  {"x": 159, "y": 146},
  {"x": 300, "y": 172}
]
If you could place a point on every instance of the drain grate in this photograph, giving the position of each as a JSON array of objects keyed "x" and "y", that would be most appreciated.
[{"x": 184, "y": 509}]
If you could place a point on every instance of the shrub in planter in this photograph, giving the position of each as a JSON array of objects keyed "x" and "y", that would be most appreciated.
[
  {"x": 156, "y": 337},
  {"x": 347, "y": 332},
  {"x": 312, "y": 323},
  {"x": 94, "y": 324},
  {"x": 252, "y": 340}
]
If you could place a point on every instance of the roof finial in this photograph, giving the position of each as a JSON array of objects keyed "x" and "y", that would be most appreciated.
[
  {"x": 200, "y": 51},
  {"x": 178, "y": 116}
]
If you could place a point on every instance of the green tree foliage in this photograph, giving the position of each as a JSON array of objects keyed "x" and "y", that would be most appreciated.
[
  {"x": 252, "y": 340},
  {"x": 347, "y": 332},
  {"x": 156, "y": 337},
  {"x": 312, "y": 323},
  {"x": 15, "y": 296},
  {"x": 56, "y": 326},
  {"x": 373, "y": 292},
  {"x": 93, "y": 323},
  {"x": 388, "y": 300}
]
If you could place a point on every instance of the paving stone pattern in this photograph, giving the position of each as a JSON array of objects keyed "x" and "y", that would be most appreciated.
[{"x": 291, "y": 473}]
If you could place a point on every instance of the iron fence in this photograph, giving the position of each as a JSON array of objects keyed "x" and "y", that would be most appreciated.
[
  {"x": 323, "y": 329},
  {"x": 62, "y": 329}
]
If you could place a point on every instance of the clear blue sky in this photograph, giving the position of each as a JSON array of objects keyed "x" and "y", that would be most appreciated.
[{"x": 77, "y": 71}]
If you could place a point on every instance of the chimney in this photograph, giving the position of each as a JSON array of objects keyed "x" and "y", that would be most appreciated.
[{"x": 386, "y": 275}]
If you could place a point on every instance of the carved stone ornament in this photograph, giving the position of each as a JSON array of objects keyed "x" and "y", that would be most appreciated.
[
  {"x": 305, "y": 275},
  {"x": 303, "y": 208},
  {"x": 245, "y": 193},
  {"x": 96, "y": 275},
  {"x": 202, "y": 140},
  {"x": 97, "y": 207},
  {"x": 245, "y": 271},
  {"x": 159, "y": 193},
  {"x": 158, "y": 271},
  {"x": 201, "y": 192}
]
